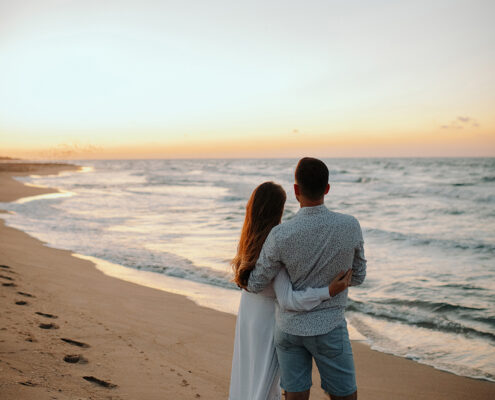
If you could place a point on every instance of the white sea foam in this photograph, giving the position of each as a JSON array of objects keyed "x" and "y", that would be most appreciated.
[{"x": 46, "y": 196}]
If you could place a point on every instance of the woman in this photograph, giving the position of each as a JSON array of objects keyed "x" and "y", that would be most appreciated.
[{"x": 255, "y": 370}]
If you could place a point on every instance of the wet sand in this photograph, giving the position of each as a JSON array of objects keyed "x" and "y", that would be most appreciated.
[{"x": 67, "y": 331}]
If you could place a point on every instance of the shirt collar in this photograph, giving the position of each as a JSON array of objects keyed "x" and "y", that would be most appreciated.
[{"x": 312, "y": 210}]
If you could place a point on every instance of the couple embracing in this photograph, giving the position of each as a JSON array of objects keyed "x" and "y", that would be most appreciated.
[{"x": 294, "y": 277}]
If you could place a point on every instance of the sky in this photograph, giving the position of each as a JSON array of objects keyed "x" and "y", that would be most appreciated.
[{"x": 222, "y": 78}]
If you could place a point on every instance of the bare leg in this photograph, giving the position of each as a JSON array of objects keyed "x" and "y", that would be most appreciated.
[
  {"x": 297, "y": 395},
  {"x": 350, "y": 397}
]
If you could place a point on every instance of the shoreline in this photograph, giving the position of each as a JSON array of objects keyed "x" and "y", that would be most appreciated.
[
  {"x": 185, "y": 350},
  {"x": 12, "y": 189}
]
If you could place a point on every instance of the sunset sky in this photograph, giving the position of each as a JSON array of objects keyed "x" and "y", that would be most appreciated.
[{"x": 222, "y": 78}]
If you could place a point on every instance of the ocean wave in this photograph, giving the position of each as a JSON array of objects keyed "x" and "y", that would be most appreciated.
[
  {"x": 453, "y": 212},
  {"x": 429, "y": 321},
  {"x": 352, "y": 179},
  {"x": 229, "y": 199},
  {"x": 416, "y": 239},
  {"x": 484, "y": 179},
  {"x": 433, "y": 306},
  {"x": 364, "y": 179},
  {"x": 463, "y": 286},
  {"x": 463, "y": 184},
  {"x": 465, "y": 191},
  {"x": 431, "y": 349},
  {"x": 187, "y": 270}
]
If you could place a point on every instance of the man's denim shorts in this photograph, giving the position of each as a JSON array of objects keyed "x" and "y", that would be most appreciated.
[{"x": 333, "y": 356}]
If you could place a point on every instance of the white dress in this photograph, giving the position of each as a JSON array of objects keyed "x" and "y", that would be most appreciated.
[{"x": 255, "y": 370}]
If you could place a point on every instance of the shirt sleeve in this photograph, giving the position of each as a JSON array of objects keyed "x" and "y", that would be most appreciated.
[
  {"x": 267, "y": 266},
  {"x": 297, "y": 300},
  {"x": 359, "y": 262}
]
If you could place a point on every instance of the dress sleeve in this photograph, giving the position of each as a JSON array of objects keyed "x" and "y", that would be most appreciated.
[
  {"x": 297, "y": 300},
  {"x": 267, "y": 265}
]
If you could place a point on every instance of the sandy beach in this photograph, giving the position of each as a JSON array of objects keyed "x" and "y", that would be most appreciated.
[{"x": 68, "y": 331}]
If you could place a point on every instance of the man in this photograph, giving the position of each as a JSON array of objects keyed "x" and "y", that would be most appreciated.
[{"x": 314, "y": 246}]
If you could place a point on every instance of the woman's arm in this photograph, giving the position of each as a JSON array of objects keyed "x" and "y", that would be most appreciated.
[
  {"x": 297, "y": 300},
  {"x": 303, "y": 300}
]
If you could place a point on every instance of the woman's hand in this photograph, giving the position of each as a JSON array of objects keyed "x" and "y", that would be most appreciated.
[{"x": 340, "y": 283}]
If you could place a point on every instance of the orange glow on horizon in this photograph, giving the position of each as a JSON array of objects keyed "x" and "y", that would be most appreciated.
[{"x": 438, "y": 143}]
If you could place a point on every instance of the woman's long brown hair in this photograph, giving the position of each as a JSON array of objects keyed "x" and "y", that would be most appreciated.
[{"x": 263, "y": 211}]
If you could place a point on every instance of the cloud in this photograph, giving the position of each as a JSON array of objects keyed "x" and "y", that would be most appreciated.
[{"x": 460, "y": 123}]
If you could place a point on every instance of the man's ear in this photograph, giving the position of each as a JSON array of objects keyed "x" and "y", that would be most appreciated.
[
  {"x": 297, "y": 191},
  {"x": 327, "y": 189}
]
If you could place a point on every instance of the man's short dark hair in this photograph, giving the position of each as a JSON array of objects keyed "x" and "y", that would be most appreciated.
[{"x": 312, "y": 177}]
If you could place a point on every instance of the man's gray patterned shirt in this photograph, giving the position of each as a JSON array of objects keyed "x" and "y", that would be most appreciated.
[{"x": 314, "y": 246}]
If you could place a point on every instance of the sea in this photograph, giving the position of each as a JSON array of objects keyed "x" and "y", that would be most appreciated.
[{"x": 428, "y": 226}]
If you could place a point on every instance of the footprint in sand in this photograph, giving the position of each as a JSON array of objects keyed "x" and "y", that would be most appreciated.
[
  {"x": 4, "y": 266},
  {"x": 75, "y": 359},
  {"x": 21, "y": 302},
  {"x": 6, "y": 277},
  {"x": 100, "y": 382},
  {"x": 27, "y": 383},
  {"x": 30, "y": 339},
  {"x": 75, "y": 343},
  {"x": 8, "y": 271},
  {"x": 184, "y": 383},
  {"x": 25, "y": 294},
  {"x": 11, "y": 284},
  {"x": 48, "y": 326},
  {"x": 46, "y": 315}
]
